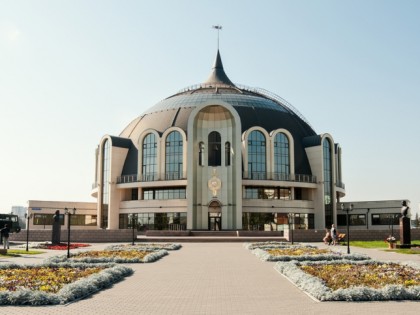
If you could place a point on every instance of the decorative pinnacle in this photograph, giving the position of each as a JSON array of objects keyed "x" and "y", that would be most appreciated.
[{"x": 218, "y": 28}]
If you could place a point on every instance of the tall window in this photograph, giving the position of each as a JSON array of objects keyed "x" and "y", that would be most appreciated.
[
  {"x": 256, "y": 155},
  {"x": 281, "y": 156},
  {"x": 215, "y": 150},
  {"x": 338, "y": 172},
  {"x": 173, "y": 156},
  {"x": 105, "y": 183},
  {"x": 149, "y": 163},
  {"x": 328, "y": 197},
  {"x": 201, "y": 153},
  {"x": 227, "y": 153}
]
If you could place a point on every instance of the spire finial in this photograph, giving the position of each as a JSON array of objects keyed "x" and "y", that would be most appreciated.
[{"x": 218, "y": 28}]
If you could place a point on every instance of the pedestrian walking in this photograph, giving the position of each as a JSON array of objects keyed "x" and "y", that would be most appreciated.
[{"x": 5, "y": 231}]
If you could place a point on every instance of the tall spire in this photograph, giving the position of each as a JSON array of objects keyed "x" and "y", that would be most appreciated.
[{"x": 218, "y": 75}]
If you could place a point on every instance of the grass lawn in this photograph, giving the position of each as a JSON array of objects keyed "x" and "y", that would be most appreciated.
[
  {"x": 18, "y": 252},
  {"x": 369, "y": 244},
  {"x": 383, "y": 244}
]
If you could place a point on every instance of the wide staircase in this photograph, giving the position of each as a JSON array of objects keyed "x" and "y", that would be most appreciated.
[{"x": 211, "y": 236}]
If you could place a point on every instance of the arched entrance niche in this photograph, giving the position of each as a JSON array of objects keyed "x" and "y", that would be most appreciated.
[{"x": 215, "y": 216}]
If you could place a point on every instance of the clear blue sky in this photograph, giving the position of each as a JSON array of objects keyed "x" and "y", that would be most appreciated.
[{"x": 73, "y": 71}]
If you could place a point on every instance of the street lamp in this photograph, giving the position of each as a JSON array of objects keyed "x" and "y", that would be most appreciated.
[
  {"x": 132, "y": 217},
  {"x": 68, "y": 213},
  {"x": 391, "y": 222},
  {"x": 367, "y": 219},
  {"x": 350, "y": 208},
  {"x": 27, "y": 217},
  {"x": 290, "y": 217}
]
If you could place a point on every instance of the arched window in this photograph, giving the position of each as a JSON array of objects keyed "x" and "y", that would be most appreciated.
[
  {"x": 201, "y": 154},
  {"x": 149, "y": 163},
  {"x": 106, "y": 163},
  {"x": 338, "y": 167},
  {"x": 281, "y": 157},
  {"x": 227, "y": 153},
  {"x": 173, "y": 156},
  {"x": 328, "y": 189},
  {"x": 214, "y": 149},
  {"x": 256, "y": 155}
]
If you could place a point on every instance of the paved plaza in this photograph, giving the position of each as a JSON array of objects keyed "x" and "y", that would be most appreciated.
[{"x": 210, "y": 278}]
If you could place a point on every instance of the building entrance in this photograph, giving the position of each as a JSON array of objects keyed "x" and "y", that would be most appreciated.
[
  {"x": 215, "y": 221},
  {"x": 215, "y": 216}
]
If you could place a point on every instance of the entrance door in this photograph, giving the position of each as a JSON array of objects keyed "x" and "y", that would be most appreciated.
[{"x": 215, "y": 221}]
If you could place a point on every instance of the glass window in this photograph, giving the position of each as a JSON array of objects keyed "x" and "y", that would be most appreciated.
[
  {"x": 46, "y": 219},
  {"x": 155, "y": 221},
  {"x": 386, "y": 219},
  {"x": 85, "y": 220},
  {"x": 328, "y": 197},
  {"x": 214, "y": 151},
  {"x": 164, "y": 193},
  {"x": 173, "y": 156},
  {"x": 256, "y": 155},
  {"x": 268, "y": 193},
  {"x": 285, "y": 194},
  {"x": 200, "y": 154},
  {"x": 149, "y": 163},
  {"x": 357, "y": 219},
  {"x": 134, "y": 194},
  {"x": 354, "y": 219},
  {"x": 227, "y": 153},
  {"x": 276, "y": 221},
  {"x": 341, "y": 219},
  {"x": 106, "y": 162},
  {"x": 281, "y": 156}
]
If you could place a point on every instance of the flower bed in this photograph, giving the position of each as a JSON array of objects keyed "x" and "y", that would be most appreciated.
[
  {"x": 61, "y": 246},
  {"x": 272, "y": 244},
  {"x": 52, "y": 283},
  {"x": 348, "y": 280},
  {"x": 302, "y": 253},
  {"x": 116, "y": 256},
  {"x": 145, "y": 246}
]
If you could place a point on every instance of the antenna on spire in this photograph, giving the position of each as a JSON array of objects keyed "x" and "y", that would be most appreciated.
[{"x": 218, "y": 28}]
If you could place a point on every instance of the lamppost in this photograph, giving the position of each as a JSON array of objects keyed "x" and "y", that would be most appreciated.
[
  {"x": 290, "y": 217},
  {"x": 367, "y": 219},
  {"x": 27, "y": 217},
  {"x": 68, "y": 213},
  {"x": 350, "y": 208},
  {"x": 133, "y": 225},
  {"x": 391, "y": 222}
]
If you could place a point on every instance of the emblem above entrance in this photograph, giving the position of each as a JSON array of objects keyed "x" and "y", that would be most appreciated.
[{"x": 214, "y": 183}]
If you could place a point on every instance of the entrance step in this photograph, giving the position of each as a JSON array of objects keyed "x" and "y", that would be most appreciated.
[{"x": 211, "y": 236}]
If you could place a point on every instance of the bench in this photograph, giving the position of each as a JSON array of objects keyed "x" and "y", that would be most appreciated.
[{"x": 341, "y": 237}]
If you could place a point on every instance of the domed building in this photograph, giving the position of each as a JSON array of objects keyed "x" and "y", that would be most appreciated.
[{"x": 218, "y": 156}]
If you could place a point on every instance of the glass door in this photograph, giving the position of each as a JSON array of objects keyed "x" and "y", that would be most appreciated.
[{"x": 215, "y": 221}]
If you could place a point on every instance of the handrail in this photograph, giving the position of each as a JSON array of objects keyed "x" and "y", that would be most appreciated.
[
  {"x": 150, "y": 177},
  {"x": 303, "y": 178}
]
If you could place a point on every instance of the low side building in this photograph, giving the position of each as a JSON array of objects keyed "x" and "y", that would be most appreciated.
[{"x": 41, "y": 214}]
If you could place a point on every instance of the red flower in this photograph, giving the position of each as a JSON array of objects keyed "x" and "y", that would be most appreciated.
[{"x": 63, "y": 246}]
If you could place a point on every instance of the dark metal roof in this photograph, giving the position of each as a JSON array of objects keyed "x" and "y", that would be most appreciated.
[
  {"x": 121, "y": 142},
  {"x": 312, "y": 141},
  {"x": 255, "y": 107}
]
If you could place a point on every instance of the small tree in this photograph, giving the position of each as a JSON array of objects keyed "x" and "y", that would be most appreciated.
[{"x": 416, "y": 221}]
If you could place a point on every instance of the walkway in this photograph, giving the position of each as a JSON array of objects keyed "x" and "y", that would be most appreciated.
[{"x": 211, "y": 278}]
